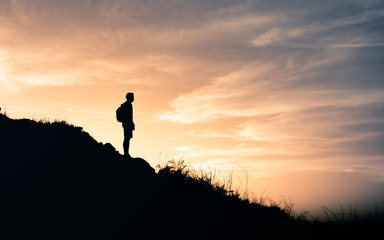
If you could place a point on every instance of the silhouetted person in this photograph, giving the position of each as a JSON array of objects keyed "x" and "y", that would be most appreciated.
[{"x": 124, "y": 114}]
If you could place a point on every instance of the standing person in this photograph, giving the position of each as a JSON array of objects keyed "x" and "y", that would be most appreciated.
[{"x": 124, "y": 114}]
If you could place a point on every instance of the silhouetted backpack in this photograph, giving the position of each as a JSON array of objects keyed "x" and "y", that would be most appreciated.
[{"x": 122, "y": 113}]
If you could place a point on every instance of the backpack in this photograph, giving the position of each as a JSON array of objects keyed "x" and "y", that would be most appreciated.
[{"x": 121, "y": 113}]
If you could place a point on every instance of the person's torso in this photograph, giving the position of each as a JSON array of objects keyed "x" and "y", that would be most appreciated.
[{"x": 128, "y": 111}]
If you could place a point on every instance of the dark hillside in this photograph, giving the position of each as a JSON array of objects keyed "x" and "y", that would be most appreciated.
[{"x": 57, "y": 182}]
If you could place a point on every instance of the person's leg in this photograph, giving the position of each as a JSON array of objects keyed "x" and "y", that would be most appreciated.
[{"x": 126, "y": 146}]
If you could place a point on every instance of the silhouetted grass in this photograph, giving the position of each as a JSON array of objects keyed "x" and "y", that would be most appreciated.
[
  {"x": 206, "y": 179},
  {"x": 212, "y": 203},
  {"x": 220, "y": 186},
  {"x": 351, "y": 214}
]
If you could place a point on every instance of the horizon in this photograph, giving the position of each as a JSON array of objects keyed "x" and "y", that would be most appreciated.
[{"x": 287, "y": 96}]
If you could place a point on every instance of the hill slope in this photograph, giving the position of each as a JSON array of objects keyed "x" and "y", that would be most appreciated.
[
  {"x": 56, "y": 178},
  {"x": 57, "y": 182}
]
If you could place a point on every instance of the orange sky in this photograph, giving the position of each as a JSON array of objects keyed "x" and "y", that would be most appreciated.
[{"x": 289, "y": 95}]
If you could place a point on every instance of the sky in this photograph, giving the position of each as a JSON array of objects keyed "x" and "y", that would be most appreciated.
[{"x": 287, "y": 97}]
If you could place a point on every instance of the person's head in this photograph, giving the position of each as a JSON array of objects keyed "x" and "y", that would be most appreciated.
[{"x": 129, "y": 97}]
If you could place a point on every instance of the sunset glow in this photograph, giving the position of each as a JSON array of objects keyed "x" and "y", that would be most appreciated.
[{"x": 289, "y": 96}]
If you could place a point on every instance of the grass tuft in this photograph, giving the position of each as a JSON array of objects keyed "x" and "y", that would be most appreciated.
[
  {"x": 351, "y": 214},
  {"x": 209, "y": 180}
]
